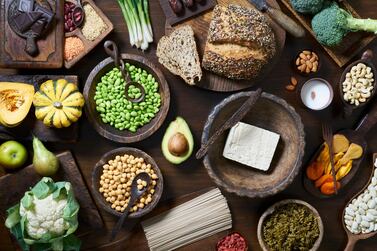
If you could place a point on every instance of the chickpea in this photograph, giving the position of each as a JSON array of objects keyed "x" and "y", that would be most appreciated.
[
  {"x": 134, "y": 208},
  {"x": 140, "y": 187},
  {"x": 118, "y": 208}
]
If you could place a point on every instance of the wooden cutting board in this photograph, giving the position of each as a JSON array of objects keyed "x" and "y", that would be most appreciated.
[
  {"x": 352, "y": 44},
  {"x": 50, "y": 45},
  {"x": 211, "y": 81},
  {"x": 13, "y": 186},
  {"x": 133, "y": 235},
  {"x": 33, "y": 126}
]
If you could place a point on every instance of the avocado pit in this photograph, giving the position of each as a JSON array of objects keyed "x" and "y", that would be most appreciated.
[{"x": 178, "y": 144}]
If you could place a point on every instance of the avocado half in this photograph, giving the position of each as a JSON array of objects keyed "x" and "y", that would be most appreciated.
[{"x": 179, "y": 125}]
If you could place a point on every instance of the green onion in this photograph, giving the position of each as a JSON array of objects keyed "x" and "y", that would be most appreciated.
[{"x": 136, "y": 15}]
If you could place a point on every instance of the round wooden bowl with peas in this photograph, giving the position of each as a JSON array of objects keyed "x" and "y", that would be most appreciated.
[
  {"x": 112, "y": 177},
  {"x": 113, "y": 115}
]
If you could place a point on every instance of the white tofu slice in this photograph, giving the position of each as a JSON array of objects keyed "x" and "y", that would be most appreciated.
[{"x": 251, "y": 146}]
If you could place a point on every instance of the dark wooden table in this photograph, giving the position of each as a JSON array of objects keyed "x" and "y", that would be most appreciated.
[{"x": 194, "y": 105}]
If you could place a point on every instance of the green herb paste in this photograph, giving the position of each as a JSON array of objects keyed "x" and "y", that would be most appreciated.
[{"x": 290, "y": 227}]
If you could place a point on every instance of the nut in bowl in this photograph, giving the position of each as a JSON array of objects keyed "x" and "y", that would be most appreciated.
[
  {"x": 306, "y": 62},
  {"x": 112, "y": 178},
  {"x": 112, "y": 114}
]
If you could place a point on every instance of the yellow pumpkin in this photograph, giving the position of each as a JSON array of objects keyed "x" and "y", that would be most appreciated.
[
  {"x": 58, "y": 103},
  {"x": 15, "y": 102}
]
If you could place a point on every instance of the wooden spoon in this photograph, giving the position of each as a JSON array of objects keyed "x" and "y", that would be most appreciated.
[
  {"x": 353, "y": 238},
  {"x": 356, "y": 136}
]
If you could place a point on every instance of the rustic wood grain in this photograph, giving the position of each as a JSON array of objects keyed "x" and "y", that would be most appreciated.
[
  {"x": 21, "y": 181},
  {"x": 50, "y": 46},
  {"x": 352, "y": 44},
  {"x": 270, "y": 113},
  {"x": 211, "y": 81},
  {"x": 194, "y": 105},
  {"x": 89, "y": 45},
  {"x": 109, "y": 131},
  {"x": 31, "y": 125},
  {"x": 187, "y": 13}
]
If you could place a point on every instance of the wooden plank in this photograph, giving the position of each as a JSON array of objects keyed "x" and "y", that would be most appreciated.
[
  {"x": 33, "y": 126},
  {"x": 21, "y": 181},
  {"x": 187, "y": 13},
  {"x": 89, "y": 45},
  {"x": 50, "y": 46},
  {"x": 351, "y": 45}
]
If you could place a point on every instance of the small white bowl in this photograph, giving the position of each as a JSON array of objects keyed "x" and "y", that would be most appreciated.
[{"x": 306, "y": 93}]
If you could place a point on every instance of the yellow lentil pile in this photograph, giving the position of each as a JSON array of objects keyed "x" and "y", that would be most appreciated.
[
  {"x": 93, "y": 24},
  {"x": 116, "y": 180},
  {"x": 72, "y": 48}
]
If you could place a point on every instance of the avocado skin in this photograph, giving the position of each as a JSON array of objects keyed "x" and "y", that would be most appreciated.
[{"x": 178, "y": 125}]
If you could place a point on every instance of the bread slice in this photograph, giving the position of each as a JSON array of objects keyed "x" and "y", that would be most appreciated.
[{"x": 178, "y": 53}]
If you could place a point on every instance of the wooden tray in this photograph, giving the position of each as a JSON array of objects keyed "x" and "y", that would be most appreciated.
[
  {"x": 89, "y": 45},
  {"x": 12, "y": 52},
  {"x": 33, "y": 126},
  {"x": 21, "y": 181},
  {"x": 133, "y": 234},
  {"x": 187, "y": 13},
  {"x": 213, "y": 82},
  {"x": 352, "y": 44}
]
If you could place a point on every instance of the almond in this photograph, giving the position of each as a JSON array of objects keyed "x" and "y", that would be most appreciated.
[
  {"x": 307, "y": 52},
  {"x": 312, "y": 59},
  {"x": 315, "y": 66},
  {"x": 293, "y": 81},
  {"x": 289, "y": 87},
  {"x": 302, "y": 55},
  {"x": 309, "y": 64},
  {"x": 308, "y": 69},
  {"x": 301, "y": 67},
  {"x": 298, "y": 61}
]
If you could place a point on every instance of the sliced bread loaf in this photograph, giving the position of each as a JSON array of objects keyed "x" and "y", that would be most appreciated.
[{"x": 178, "y": 53}]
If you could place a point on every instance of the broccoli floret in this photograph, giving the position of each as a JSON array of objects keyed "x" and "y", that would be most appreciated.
[
  {"x": 333, "y": 23},
  {"x": 308, "y": 6}
]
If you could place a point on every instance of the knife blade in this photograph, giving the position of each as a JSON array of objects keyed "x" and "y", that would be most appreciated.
[{"x": 278, "y": 16}]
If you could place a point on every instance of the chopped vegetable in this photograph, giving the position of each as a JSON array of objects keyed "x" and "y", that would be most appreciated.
[
  {"x": 136, "y": 15},
  {"x": 46, "y": 218},
  {"x": 333, "y": 23}
]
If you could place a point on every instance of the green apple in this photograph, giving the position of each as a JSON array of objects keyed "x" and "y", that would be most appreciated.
[{"x": 12, "y": 154}]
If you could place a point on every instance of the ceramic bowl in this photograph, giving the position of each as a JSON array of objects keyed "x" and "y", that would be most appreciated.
[
  {"x": 97, "y": 172},
  {"x": 109, "y": 131},
  {"x": 271, "y": 113}
]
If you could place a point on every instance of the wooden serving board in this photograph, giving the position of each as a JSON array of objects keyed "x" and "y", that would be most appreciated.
[
  {"x": 50, "y": 45},
  {"x": 187, "y": 13},
  {"x": 351, "y": 45},
  {"x": 31, "y": 125},
  {"x": 20, "y": 182},
  {"x": 211, "y": 81},
  {"x": 89, "y": 45}
]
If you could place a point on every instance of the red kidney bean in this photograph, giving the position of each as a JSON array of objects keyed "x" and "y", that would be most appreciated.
[
  {"x": 176, "y": 6},
  {"x": 188, "y": 3},
  {"x": 68, "y": 17}
]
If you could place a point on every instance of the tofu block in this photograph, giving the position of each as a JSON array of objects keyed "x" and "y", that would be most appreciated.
[{"x": 251, "y": 146}]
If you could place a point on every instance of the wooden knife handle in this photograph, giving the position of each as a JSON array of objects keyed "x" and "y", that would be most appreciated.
[{"x": 286, "y": 22}]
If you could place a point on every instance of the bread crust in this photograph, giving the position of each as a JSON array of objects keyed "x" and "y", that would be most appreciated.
[{"x": 240, "y": 42}]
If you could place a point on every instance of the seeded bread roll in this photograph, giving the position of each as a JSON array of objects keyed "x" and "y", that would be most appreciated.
[
  {"x": 240, "y": 42},
  {"x": 178, "y": 53}
]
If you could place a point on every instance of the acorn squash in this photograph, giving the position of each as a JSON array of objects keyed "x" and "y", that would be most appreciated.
[
  {"x": 15, "y": 102},
  {"x": 58, "y": 103}
]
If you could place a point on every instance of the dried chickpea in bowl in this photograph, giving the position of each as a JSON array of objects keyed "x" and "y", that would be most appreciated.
[{"x": 113, "y": 176}]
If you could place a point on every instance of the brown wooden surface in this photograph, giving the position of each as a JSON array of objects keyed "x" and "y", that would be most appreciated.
[
  {"x": 211, "y": 81},
  {"x": 109, "y": 131},
  {"x": 271, "y": 113},
  {"x": 50, "y": 45},
  {"x": 194, "y": 104},
  {"x": 33, "y": 126},
  {"x": 88, "y": 215},
  {"x": 186, "y": 13},
  {"x": 89, "y": 45},
  {"x": 352, "y": 44}
]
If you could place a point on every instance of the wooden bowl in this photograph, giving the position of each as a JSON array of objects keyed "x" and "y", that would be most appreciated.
[
  {"x": 271, "y": 209},
  {"x": 109, "y": 131},
  {"x": 271, "y": 113},
  {"x": 366, "y": 59},
  {"x": 97, "y": 172}
]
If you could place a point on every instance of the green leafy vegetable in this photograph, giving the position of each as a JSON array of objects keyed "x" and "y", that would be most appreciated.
[
  {"x": 46, "y": 218},
  {"x": 136, "y": 15}
]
